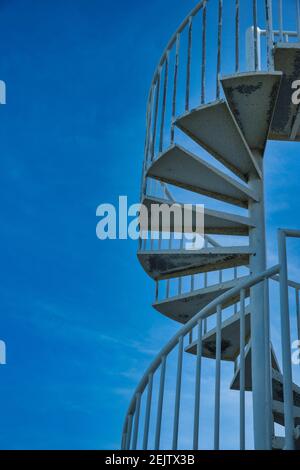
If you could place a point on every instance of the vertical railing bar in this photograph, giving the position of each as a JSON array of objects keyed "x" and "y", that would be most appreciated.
[
  {"x": 176, "y": 65},
  {"x": 298, "y": 312},
  {"x": 160, "y": 403},
  {"x": 155, "y": 114},
  {"x": 218, "y": 379},
  {"x": 235, "y": 278},
  {"x": 148, "y": 411},
  {"x": 219, "y": 48},
  {"x": 123, "y": 443},
  {"x": 298, "y": 17},
  {"x": 270, "y": 34},
  {"x": 129, "y": 429},
  {"x": 269, "y": 391},
  {"x": 168, "y": 289},
  {"x": 255, "y": 34},
  {"x": 156, "y": 290},
  {"x": 237, "y": 35},
  {"x": 242, "y": 370},
  {"x": 203, "y": 67},
  {"x": 159, "y": 240},
  {"x": 180, "y": 286},
  {"x": 192, "y": 282},
  {"x": 164, "y": 104},
  {"x": 150, "y": 113},
  {"x": 197, "y": 387},
  {"x": 178, "y": 393},
  {"x": 280, "y": 20},
  {"x": 136, "y": 421},
  {"x": 188, "y": 65},
  {"x": 286, "y": 344}
]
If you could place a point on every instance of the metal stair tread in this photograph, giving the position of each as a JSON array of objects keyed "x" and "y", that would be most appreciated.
[
  {"x": 182, "y": 168},
  {"x": 278, "y": 413},
  {"x": 213, "y": 126},
  {"x": 287, "y": 60},
  {"x": 230, "y": 338},
  {"x": 166, "y": 264},
  {"x": 252, "y": 97},
  {"x": 184, "y": 306},
  {"x": 235, "y": 383},
  {"x": 215, "y": 222}
]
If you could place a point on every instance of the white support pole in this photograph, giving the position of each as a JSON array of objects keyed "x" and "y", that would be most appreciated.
[
  {"x": 286, "y": 343},
  {"x": 251, "y": 48},
  {"x": 257, "y": 239}
]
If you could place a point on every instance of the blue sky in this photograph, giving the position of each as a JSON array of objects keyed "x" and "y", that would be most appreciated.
[{"x": 76, "y": 312}]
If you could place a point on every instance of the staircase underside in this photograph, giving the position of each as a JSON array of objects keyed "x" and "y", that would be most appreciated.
[
  {"x": 166, "y": 264},
  {"x": 213, "y": 126},
  {"x": 181, "y": 168},
  {"x": 230, "y": 334},
  {"x": 215, "y": 222},
  {"x": 183, "y": 307},
  {"x": 251, "y": 98}
]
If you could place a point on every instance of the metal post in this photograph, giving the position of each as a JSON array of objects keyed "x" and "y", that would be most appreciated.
[
  {"x": 280, "y": 20},
  {"x": 220, "y": 24},
  {"x": 197, "y": 387},
  {"x": 286, "y": 344},
  {"x": 148, "y": 411},
  {"x": 164, "y": 104},
  {"x": 177, "y": 396},
  {"x": 257, "y": 238},
  {"x": 298, "y": 17},
  {"x": 128, "y": 431},
  {"x": 269, "y": 391},
  {"x": 242, "y": 370},
  {"x": 270, "y": 34},
  {"x": 160, "y": 403},
  {"x": 203, "y": 64},
  {"x": 136, "y": 421},
  {"x": 218, "y": 380},
  {"x": 175, "y": 87},
  {"x": 237, "y": 35},
  {"x": 188, "y": 66}
]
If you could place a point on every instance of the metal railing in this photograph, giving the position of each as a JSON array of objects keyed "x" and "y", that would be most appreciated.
[
  {"x": 175, "y": 90},
  {"x": 132, "y": 427},
  {"x": 200, "y": 52}
]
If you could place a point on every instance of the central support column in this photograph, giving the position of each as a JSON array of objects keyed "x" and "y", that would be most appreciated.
[{"x": 260, "y": 345}]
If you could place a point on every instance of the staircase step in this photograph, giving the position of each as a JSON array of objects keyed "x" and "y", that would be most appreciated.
[
  {"x": 230, "y": 338},
  {"x": 278, "y": 413},
  {"x": 166, "y": 264},
  {"x": 181, "y": 168},
  {"x": 215, "y": 222},
  {"x": 183, "y": 307},
  {"x": 235, "y": 384},
  {"x": 278, "y": 389},
  {"x": 252, "y": 99},
  {"x": 277, "y": 380},
  {"x": 286, "y": 116},
  {"x": 214, "y": 127}
]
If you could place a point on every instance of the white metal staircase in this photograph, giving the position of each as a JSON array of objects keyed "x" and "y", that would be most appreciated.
[{"x": 228, "y": 319}]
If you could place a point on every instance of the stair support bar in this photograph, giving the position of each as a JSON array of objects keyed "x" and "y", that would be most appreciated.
[
  {"x": 260, "y": 372},
  {"x": 286, "y": 339}
]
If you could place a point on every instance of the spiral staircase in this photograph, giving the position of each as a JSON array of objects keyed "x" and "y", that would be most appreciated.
[{"x": 216, "y": 150}]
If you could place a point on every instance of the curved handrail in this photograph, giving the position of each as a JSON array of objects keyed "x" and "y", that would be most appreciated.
[{"x": 204, "y": 313}]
